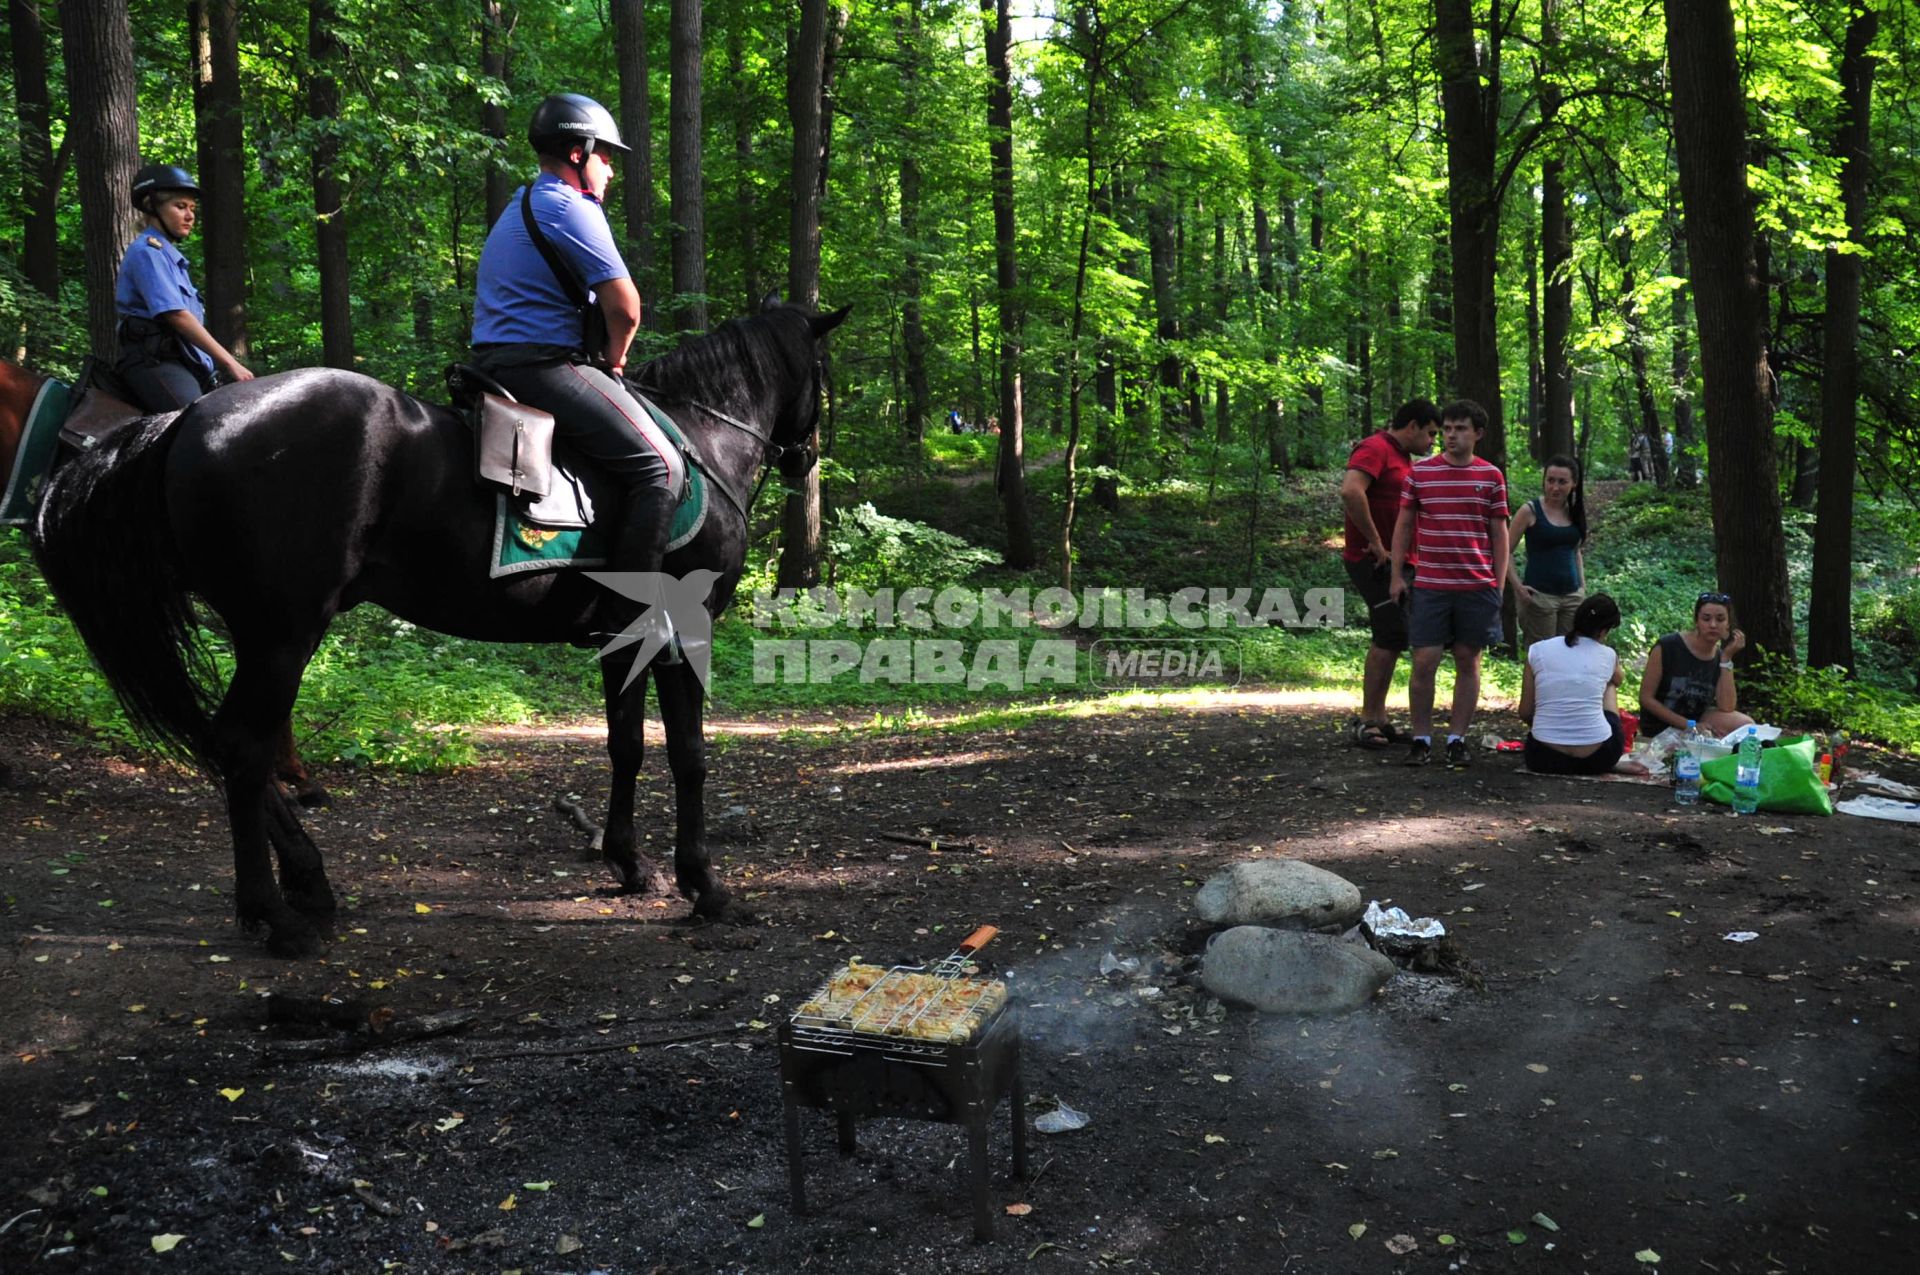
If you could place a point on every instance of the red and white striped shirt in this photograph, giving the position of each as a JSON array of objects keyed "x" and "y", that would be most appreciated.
[{"x": 1459, "y": 508}]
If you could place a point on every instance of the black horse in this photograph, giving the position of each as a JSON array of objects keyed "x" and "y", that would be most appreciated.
[{"x": 286, "y": 500}]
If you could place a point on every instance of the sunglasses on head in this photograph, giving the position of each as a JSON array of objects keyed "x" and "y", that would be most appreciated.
[{"x": 1722, "y": 598}]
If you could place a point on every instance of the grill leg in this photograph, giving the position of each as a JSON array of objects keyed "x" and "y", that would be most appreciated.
[
  {"x": 1018, "y": 1100},
  {"x": 846, "y": 1132},
  {"x": 977, "y": 1173},
  {"x": 796, "y": 1169}
]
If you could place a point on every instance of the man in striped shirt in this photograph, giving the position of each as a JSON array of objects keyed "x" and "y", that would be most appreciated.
[{"x": 1458, "y": 504}]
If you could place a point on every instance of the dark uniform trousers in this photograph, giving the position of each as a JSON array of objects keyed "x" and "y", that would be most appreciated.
[
  {"x": 154, "y": 368},
  {"x": 596, "y": 416}
]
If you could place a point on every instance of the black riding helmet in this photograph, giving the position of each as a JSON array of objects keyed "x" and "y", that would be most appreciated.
[
  {"x": 155, "y": 178},
  {"x": 565, "y": 120}
]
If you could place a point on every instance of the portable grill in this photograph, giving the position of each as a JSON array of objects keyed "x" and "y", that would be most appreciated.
[{"x": 861, "y": 1062}]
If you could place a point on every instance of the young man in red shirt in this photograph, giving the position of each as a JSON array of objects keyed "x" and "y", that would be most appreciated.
[
  {"x": 1370, "y": 494},
  {"x": 1456, "y": 520}
]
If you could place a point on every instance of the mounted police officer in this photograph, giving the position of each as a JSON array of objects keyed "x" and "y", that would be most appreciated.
[
  {"x": 167, "y": 356},
  {"x": 555, "y": 314}
]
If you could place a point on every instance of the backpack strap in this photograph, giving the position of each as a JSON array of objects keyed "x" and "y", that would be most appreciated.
[{"x": 570, "y": 285}]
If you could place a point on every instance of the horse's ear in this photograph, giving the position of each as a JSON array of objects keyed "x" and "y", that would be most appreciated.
[
  {"x": 771, "y": 301},
  {"x": 825, "y": 323}
]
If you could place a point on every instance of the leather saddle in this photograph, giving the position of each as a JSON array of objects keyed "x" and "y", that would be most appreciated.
[{"x": 102, "y": 403}]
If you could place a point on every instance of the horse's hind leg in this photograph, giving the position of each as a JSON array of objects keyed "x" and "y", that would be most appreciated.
[
  {"x": 303, "y": 876},
  {"x": 265, "y": 681},
  {"x": 626, "y": 746},
  {"x": 293, "y": 772},
  {"x": 682, "y": 712}
]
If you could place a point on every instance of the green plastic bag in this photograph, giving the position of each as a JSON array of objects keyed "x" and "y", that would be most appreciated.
[{"x": 1788, "y": 784}]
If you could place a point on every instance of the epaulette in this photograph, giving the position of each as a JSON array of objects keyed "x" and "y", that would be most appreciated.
[{"x": 154, "y": 243}]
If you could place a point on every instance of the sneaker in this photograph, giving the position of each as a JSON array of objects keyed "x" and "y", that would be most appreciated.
[
  {"x": 1419, "y": 754},
  {"x": 1459, "y": 756}
]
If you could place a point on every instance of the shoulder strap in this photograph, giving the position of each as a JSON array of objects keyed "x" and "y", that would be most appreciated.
[{"x": 568, "y": 284}]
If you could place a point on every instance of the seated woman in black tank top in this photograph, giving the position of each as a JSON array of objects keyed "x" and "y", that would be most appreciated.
[{"x": 1689, "y": 675}]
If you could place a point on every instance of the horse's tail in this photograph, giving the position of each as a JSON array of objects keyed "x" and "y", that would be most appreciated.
[{"x": 104, "y": 544}]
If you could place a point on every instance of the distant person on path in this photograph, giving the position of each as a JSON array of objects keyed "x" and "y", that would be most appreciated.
[
  {"x": 1689, "y": 675},
  {"x": 1370, "y": 495},
  {"x": 1569, "y": 698},
  {"x": 167, "y": 356},
  {"x": 954, "y": 423},
  {"x": 1640, "y": 458},
  {"x": 1455, "y": 518},
  {"x": 1553, "y": 527}
]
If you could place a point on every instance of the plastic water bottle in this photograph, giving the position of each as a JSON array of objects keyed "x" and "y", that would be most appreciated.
[
  {"x": 1746, "y": 784},
  {"x": 1686, "y": 767}
]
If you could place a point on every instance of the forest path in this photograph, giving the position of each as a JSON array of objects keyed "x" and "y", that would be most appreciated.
[{"x": 962, "y": 482}]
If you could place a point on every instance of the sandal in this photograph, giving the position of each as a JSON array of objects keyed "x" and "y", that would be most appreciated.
[{"x": 1370, "y": 734}]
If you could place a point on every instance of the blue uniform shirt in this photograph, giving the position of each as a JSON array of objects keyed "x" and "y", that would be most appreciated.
[
  {"x": 519, "y": 301},
  {"x": 154, "y": 280}
]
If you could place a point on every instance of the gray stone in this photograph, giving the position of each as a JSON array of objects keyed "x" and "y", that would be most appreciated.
[
  {"x": 1279, "y": 892},
  {"x": 1285, "y": 972}
]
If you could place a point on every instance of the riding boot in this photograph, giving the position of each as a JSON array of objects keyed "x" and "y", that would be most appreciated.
[{"x": 643, "y": 528}]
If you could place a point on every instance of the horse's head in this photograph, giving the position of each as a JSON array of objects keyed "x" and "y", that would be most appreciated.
[{"x": 796, "y": 434}]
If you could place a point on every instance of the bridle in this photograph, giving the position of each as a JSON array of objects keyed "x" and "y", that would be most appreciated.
[{"x": 793, "y": 460}]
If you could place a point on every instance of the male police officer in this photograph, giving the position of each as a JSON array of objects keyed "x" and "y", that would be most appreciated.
[{"x": 552, "y": 244}]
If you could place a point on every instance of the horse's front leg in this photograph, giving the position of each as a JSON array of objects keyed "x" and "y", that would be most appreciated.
[
  {"x": 683, "y": 714},
  {"x": 244, "y": 729},
  {"x": 626, "y": 747},
  {"x": 303, "y": 874}
]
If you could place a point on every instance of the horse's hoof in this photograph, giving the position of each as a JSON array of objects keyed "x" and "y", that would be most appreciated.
[
  {"x": 317, "y": 903},
  {"x": 630, "y": 876},
  {"x": 717, "y": 905},
  {"x": 294, "y": 940},
  {"x": 312, "y": 796}
]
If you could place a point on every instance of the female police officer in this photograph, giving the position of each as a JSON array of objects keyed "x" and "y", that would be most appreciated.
[
  {"x": 167, "y": 356},
  {"x": 548, "y": 274}
]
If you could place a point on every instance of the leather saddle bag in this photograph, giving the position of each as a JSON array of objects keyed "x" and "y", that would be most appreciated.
[{"x": 512, "y": 442}]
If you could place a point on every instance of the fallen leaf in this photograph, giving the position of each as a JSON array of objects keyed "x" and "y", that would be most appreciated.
[
  {"x": 77, "y": 1110},
  {"x": 757, "y": 1221},
  {"x": 683, "y": 979},
  {"x": 219, "y": 960},
  {"x": 1019, "y": 1210},
  {"x": 1386, "y": 1153},
  {"x": 537, "y": 1186},
  {"x": 1401, "y": 1245},
  {"x": 232, "y": 1095},
  {"x": 1540, "y": 1068},
  {"x": 1444, "y": 1239},
  {"x": 567, "y": 1244},
  {"x": 1542, "y": 1220},
  {"x": 422, "y": 908},
  {"x": 507, "y": 1205},
  {"x": 1516, "y": 1237},
  {"x": 165, "y": 1243},
  {"x": 100, "y": 1191},
  {"x": 1357, "y": 1230},
  {"x": 1214, "y": 1137},
  {"x": 1646, "y": 1255},
  {"x": 1221, "y": 1077},
  {"x": 449, "y": 1123}
]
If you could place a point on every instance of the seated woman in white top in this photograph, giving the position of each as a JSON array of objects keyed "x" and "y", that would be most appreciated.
[{"x": 1568, "y": 698}]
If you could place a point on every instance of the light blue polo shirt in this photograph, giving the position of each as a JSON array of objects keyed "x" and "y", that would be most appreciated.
[
  {"x": 518, "y": 299},
  {"x": 155, "y": 280}
]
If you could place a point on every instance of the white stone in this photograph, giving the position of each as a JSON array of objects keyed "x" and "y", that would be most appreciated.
[
  {"x": 1279, "y": 892},
  {"x": 1287, "y": 972}
]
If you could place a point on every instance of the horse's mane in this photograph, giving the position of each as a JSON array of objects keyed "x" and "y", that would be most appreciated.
[{"x": 734, "y": 363}]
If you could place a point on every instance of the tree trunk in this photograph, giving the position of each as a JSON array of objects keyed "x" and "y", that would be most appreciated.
[
  {"x": 330, "y": 222},
  {"x": 636, "y": 165},
  {"x": 218, "y": 125},
  {"x": 914, "y": 333},
  {"x": 689, "y": 233},
  {"x": 1709, "y": 124},
  {"x": 1829, "y": 613},
  {"x": 493, "y": 115},
  {"x": 1470, "y": 100},
  {"x": 39, "y": 184},
  {"x": 1530, "y": 263},
  {"x": 806, "y": 59},
  {"x": 1160, "y": 256},
  {"x": 1556, "y": 251},
  {"x": 745, "y": 213},
  {"x": 1685, "y": 473},
  {"x": 1011, "y": 475},
  {"x": 97, "y": 41}
]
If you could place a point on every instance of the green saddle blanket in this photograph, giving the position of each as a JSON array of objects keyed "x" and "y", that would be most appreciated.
[
  {"x": 522, "y": 543},
  {"x": 34, "y": 457}
]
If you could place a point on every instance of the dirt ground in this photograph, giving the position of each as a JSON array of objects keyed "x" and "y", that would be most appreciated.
[{"x": 1619, "y": 1089}]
